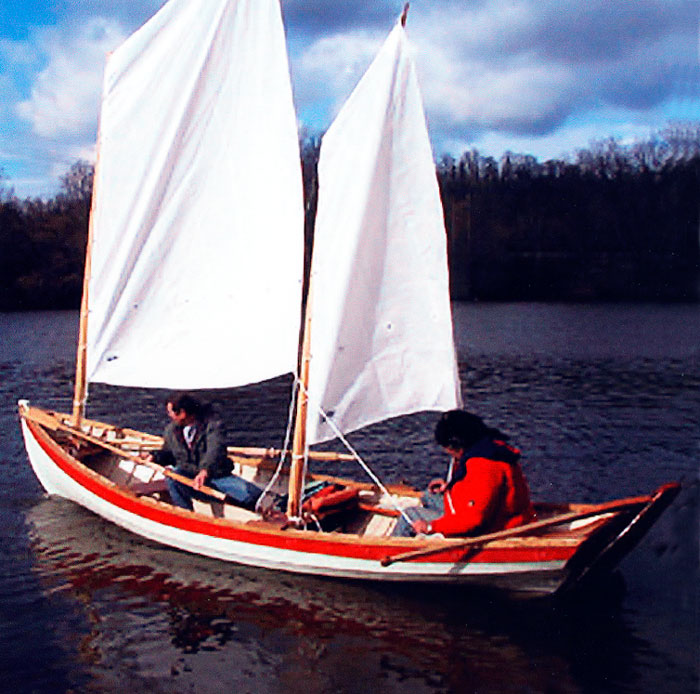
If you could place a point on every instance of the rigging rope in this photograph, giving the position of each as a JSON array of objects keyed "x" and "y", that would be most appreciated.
[
  {"x": 357, "y": 457},
  {"x": 285, "y": 448},
  {"x": 339, "y": 435}
]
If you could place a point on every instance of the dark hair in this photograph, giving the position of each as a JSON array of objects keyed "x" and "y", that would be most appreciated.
[
  {"x": 184, "y": 401},
  {"x": 461, "y": 429}
]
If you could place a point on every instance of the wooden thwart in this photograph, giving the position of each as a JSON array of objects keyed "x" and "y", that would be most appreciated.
[
  {"x": 596, "y": 510},
  {"x": 322, "y": 456}
]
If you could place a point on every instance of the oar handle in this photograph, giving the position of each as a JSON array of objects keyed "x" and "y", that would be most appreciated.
[{"x": 209, "y": 491}]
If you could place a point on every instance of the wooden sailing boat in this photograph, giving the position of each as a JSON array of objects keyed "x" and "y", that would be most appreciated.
[{"x": 183, "y": 234}]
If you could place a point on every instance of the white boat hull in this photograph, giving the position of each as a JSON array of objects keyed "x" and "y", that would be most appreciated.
[{"x": 515, "y": 565}]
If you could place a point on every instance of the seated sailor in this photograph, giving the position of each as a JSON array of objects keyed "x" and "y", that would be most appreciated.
[
  {"x": 194, "y": 446},
  {"x": 485, "y": 489}
]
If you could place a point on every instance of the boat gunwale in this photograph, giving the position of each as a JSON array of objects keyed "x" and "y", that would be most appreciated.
[{"x": 562, "y": 547}]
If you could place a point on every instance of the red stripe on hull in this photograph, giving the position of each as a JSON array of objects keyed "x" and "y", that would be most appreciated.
[{"x": 287, "y": 540}]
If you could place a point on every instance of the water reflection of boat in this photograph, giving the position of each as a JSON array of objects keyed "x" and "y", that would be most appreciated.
[
  {"x": 190, "y": 99},
  {"x": 455, "y": 642}
]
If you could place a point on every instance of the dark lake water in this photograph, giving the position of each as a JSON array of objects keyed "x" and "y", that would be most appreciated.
[{"x": 604, "y": 401}]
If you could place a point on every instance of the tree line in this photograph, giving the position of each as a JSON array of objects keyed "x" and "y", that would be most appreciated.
[
  {"x": 612, "y": 222},
  {"x": 42, "y": 245}
]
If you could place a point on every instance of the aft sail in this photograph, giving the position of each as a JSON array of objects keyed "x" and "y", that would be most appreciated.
[
  {"x": 197, "y": 251},
  {"x": 381, "y": 339}
]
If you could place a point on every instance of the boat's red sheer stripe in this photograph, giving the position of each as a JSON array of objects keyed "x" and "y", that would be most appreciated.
[{"x": 354, "y": 550}]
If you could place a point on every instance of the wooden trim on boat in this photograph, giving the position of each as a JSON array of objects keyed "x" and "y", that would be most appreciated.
[
  {"x": 267, "y": 534},
  {"x": 56, "y": 425},
  {"x": 146, "y": 440},
  {"x": 131, "y": 438},
  {"x": 553, "y": 551},
  {"x": 596, "y": 510},
  {"x": 595, "y": 560},
  {"x": 321, "y": 456}
]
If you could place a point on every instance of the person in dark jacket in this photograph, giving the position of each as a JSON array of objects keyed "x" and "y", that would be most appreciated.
[
  {"x": 194, "y": 446},
  {"x": 485, "y": 489}
]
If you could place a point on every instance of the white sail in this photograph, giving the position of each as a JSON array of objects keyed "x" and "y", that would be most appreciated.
[
  {"x": 381, "y": 334},
  {"x": 198, "y": 216}
]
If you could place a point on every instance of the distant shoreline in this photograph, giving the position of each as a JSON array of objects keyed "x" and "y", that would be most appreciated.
[
  {"x": 494, "y": 302},
  {"x": 617, "y": 224}
]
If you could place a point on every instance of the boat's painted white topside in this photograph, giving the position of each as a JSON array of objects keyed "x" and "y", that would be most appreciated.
[{"x": 533, "y": 565}]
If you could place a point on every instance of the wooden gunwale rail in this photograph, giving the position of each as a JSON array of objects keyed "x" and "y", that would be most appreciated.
[
  {"x": 125, "y": 440},
  {"x": 593, "y": 510},
  {"x": 145, "y": 441},
  {"x": 54, "y": 423}
]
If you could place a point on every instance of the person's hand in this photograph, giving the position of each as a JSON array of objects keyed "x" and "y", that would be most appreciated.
[
  {"x": 200, "y": 479},
  {"x": 421, "y": 527},
  {"x": 437, "y": 486},
  {"x": 145, "y": 455}
]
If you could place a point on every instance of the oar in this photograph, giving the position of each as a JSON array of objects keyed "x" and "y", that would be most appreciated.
[
  {"x": 57, "y": 424},
  {"x": 607, "y": 507}
]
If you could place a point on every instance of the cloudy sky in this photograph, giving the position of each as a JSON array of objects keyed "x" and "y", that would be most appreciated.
[{"x": 544, "y": 77}]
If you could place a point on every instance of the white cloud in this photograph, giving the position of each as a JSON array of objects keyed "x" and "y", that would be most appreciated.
[
  {"x": 463, "y": 86},
  {"x": 329, "y": 68},
  {"x": 552, "y": 73},
  {"x": 562, "y": 142},
  {"x": 65, "y": 96},
  {"x": 524, "y": 94},
  {"x": 540, "y": 76},
  {"x": 16, "y": 53},
  {"x": 524, "y": 68}
]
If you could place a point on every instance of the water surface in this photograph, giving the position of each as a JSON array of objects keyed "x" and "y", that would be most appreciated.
[{"x": 603, "y": 401}]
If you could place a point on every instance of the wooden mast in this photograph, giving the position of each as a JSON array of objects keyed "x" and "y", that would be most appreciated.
[
  {"x": 296, "y": 472},
  {"x": 80, "y": 392}
]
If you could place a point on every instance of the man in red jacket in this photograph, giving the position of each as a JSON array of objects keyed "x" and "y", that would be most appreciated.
[{"x": 485, "y": 489}]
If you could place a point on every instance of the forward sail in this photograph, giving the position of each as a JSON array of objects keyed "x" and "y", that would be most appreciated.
[
  {"x": 198, "y": 214},
  {"x": 381, "y": 339}
]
